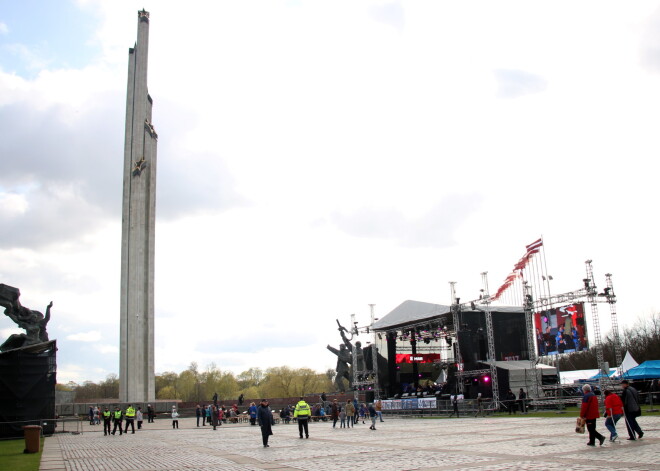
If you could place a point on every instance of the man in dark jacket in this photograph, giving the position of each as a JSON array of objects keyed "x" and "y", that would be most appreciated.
[
  {"x": 334, "y": 412},
  {"x": 265, "y": 418},
  {"x": 631, "y": 409}
]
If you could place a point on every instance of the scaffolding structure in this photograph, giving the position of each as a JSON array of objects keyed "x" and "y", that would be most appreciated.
[
  {"x": 365, "y": 379},
  {"x": 588, "y": 293}
]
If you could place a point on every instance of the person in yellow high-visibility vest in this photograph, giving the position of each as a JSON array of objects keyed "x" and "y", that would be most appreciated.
[
  {"x": 302, "y": 413},
  {"x": 130, "y": 418},
  {"x": 117, "y": 418},
  {"x": 107, "y": 418}
]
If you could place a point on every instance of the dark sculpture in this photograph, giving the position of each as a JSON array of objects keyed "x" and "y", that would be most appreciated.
[
  {"x": 33, "y": 322},
  {"x": 359, "y": 353},
  {"x": 343, "y": 360}
]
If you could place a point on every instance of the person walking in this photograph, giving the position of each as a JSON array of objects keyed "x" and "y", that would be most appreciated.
[
  {"x": 371, "y": 410},
  {"x": 90, "y": 414},
  {"x": 510, "y": 400},
  {"x": 117, "y": 417},
  {"x": 130, "y": 418},
  {"x": 150, "y": 414},
  {"x": 480, "y": 406},
  {"x": 252, "y": 411},
  {"x": 350, "y": 414},
  {"x": 522, "y": 396},
  {"x": 363, "y": 412},
  {"x": 589, "y": 413},
  {"x": 175, "y": 418},
  {"x": 342, "y": 417},
  {"x": 198, "y": 413},
  {"x": 613, "y": 412},
  {"x": 631, "y": 410},
  {"x": 139, "y": 417},
  {"x": 454, "y": 401},
  {"x": 379, "y": 409},
  {"x": 334, "y": 413},
  {"x": 266, "y": 421},
  {"x": 213, "y": 417},
  {"x": 107, "y": 419},
  {"x": 302, "y": 413}
]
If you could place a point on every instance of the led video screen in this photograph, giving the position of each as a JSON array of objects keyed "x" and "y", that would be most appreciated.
[{"x": 561, "y": 330}]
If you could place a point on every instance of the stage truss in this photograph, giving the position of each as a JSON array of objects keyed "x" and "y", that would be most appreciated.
[
  {"x": 588, "y": 293},
  {"x": 447, "y": 326}
]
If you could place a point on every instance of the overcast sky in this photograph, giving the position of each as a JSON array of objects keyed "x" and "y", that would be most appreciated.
[{"x": 318, "y": 156}]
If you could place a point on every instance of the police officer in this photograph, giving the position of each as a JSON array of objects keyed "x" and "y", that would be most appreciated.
[
  {"x": 302, "y": 413},
  {"x": 130, "y": 418},
  {"x": 117, "y": 418},
  {"x": 107, "y": 418}
]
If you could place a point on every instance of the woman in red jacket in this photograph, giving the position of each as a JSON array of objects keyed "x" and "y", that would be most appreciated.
[
  {"x": 613, "y": 412},
  {"x": 589, "y": 413}
]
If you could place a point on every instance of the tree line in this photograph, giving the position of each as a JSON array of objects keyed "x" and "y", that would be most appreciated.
[{"x": 193, "y": 385}]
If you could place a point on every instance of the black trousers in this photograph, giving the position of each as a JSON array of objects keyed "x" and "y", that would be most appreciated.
[
  {"x": 106, "y": 426},
  {"x": 265, "y": 433},
  {"x": 632, "y": 425},
  {"x": 303, "y": 424},
  {"x": 593, "y": 435},
  {"x": 117, "y": 424},
  {"x": 130, "y": 422}
]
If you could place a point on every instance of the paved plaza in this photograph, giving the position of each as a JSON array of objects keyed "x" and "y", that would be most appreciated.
[{"x": 482, "y": 444}]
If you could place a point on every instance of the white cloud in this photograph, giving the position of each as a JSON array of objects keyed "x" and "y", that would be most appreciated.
[
  {"x": 4, "y": 29},
  {"x": 107, "y": 349},
  {"x": 91, "y": 336},
  {"x": 309, "y": 162}
]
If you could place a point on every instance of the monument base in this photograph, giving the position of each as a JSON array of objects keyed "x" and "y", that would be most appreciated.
[{"x": 27, "y": 389}]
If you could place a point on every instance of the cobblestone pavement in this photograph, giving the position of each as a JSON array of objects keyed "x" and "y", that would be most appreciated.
[{"x": 483, "y": 444}]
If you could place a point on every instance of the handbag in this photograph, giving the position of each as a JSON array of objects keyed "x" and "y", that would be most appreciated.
[{"x": 579, "y": 426}]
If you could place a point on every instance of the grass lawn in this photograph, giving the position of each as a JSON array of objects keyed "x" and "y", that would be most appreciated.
[{"x": 12, "y": 456}]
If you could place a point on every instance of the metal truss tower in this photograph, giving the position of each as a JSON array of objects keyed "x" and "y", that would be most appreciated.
[
  {"x": 611, "y": 300},
  {"x": 490, "y": 335},
  {"x": 528, "y": 306},
  {"x": 456, "y": 315}
]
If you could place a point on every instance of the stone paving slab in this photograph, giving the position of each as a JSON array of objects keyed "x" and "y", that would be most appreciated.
[{"x": 479, "y": 444}]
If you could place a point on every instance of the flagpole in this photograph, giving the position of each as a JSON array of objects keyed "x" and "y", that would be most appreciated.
[{"x": 546, "y": 266}]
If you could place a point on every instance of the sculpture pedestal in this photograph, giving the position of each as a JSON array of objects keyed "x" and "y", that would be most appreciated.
[{"x": 27, "y": 389}]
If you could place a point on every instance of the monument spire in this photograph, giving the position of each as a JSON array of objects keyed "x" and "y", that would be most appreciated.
[{"x": 136, "y": 349}]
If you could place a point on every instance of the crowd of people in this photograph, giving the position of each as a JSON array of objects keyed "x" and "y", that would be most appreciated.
[
  {"x": 351, "y": 413},
  {"x": 346, "y": 414}
]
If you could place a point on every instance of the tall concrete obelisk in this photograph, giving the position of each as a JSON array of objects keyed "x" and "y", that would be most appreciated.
[{"x": 136, "y": 349}]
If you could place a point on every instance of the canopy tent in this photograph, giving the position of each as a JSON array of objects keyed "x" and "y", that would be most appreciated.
[
  {"x": 601, "y": 375},
  {"x": 574, "y": 376},
  {"x": 628, "y": 363},
  {"x": 650, "y": 369}
]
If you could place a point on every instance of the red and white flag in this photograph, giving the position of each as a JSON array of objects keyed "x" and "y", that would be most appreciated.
[{"x": 535, "y": 246}]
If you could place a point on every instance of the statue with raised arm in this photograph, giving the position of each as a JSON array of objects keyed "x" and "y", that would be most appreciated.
[
  {"x": 343, "y": 360},
  {"x": 33, "y": 322},
  {"x": 359, "y": 354}
]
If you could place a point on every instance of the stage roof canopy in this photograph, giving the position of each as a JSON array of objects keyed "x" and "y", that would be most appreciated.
[{"x": 413, "y": 312}]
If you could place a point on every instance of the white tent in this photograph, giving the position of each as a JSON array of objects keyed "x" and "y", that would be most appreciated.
[
  {"x": 570, "y": 377},
  {"x": 628, "y": 363}
]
